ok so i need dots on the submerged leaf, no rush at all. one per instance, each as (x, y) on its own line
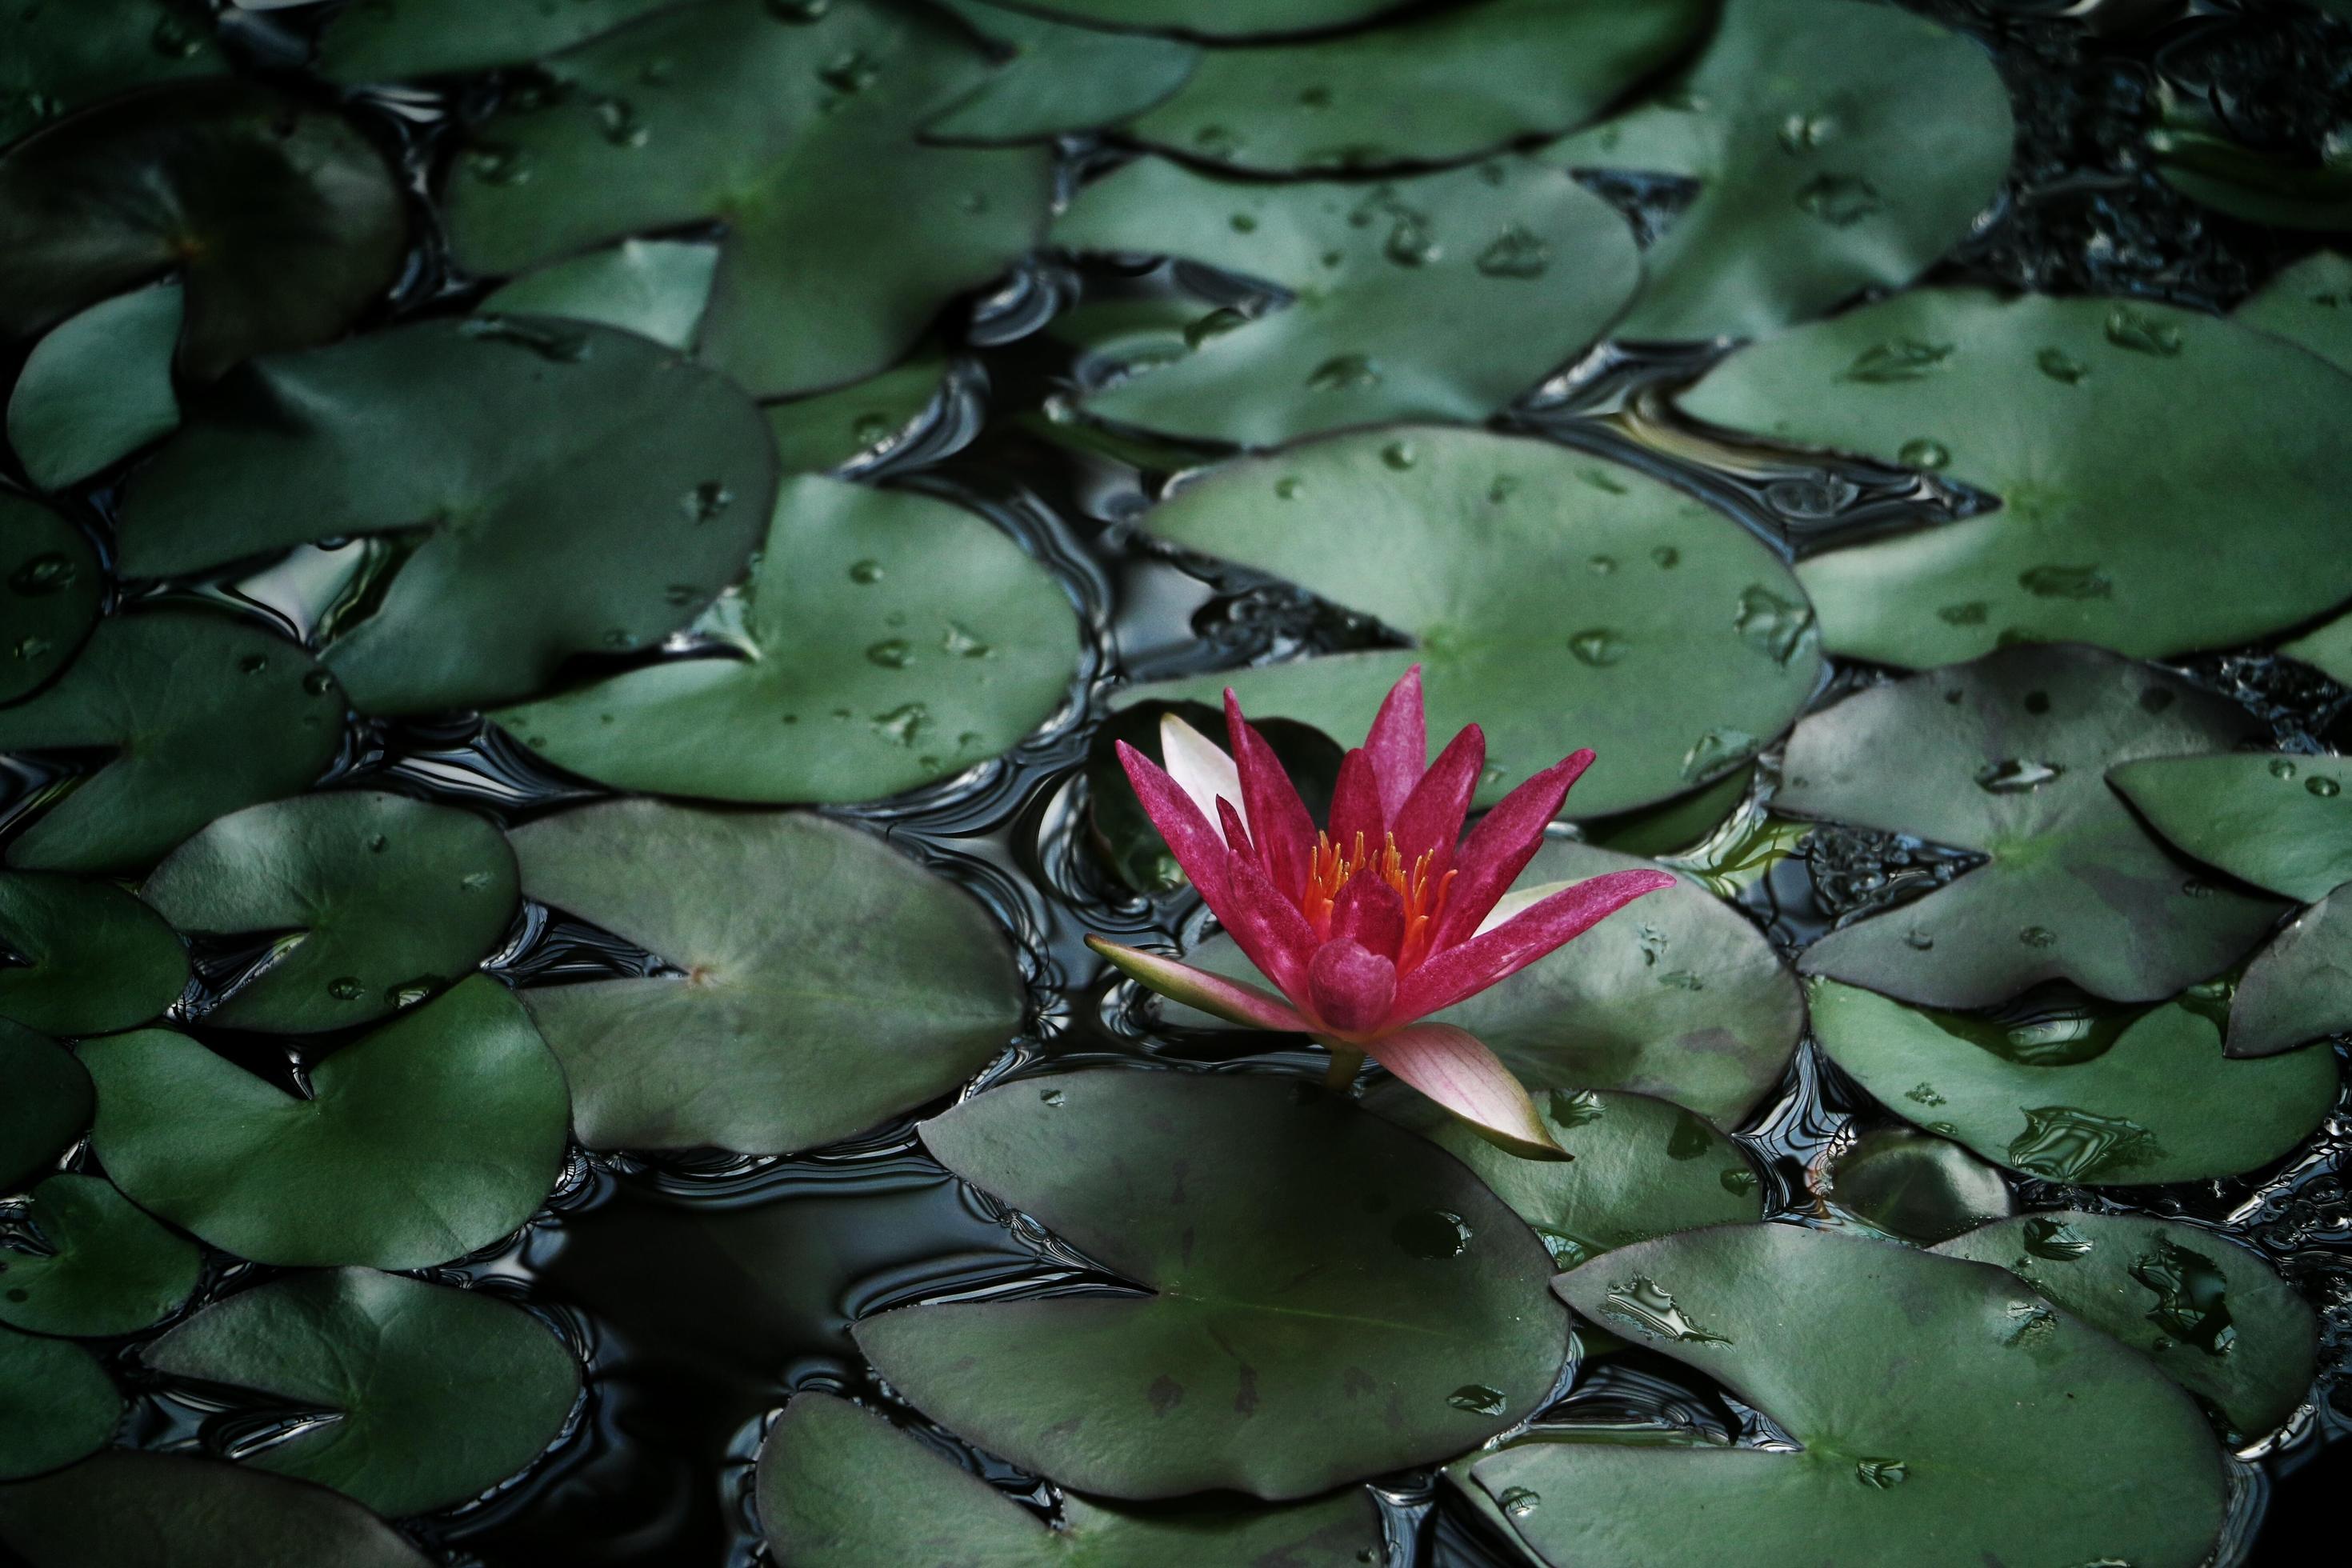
(97, 1265)
(89, 959)
(57, 1403)
(172, 1510)
(63, 55)
(48, 1104)
(50, 587)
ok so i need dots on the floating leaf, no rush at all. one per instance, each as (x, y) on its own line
(2281, 823)
(828, 429)
(50, 586)
(816, 981)
(432, 1394)
(1836, 148)
(2138, 1111)
(1682, 824)
(2194, 147)
(62, 56)
(1294, 1340)
(2111, 432)
(1558, 600)
(2298, 987)
(2309, 304)
(390, 40)
(1931, 1399)
(98, 388)
(841, 1487)
(887, 639)
(89, 959)
(1054, 79)
(2007, 756)
(201, 714)
(1216, 19)
(96, 1266)
(537, 489)
(1916, 1187)
(843, 233)
(169, 1510)
(656, 288)
(285, 222)
(1441, 297)
(433, 1136)
(48, 1104)
(57, 1403)
(2211, 1313)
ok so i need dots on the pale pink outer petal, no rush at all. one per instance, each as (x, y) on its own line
(1198, 847)
(1277, 818)
(1500, 846)
(1514, 903)
(1399, 742)
(1447, 977)
(1236, 1001)
(1202, 770)
(1350, 987)
(1454, 1067)
(1431, 819)
(1268, 928)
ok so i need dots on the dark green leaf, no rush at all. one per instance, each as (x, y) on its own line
(66, 53)
(91, 958)
(57, 1403)
(2298, 987)
(2281, 823)
(48, 1104)
(387, 40)
(50, 586)
(656, 288)
(168, 1511)
(2308, 304)
(98, 388)
(1217, 18)
(97, 1265)
(1055, 78)
(830, 428)
(1914, 1186)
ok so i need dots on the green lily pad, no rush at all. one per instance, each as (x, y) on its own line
(92, 958)
(2327, 649)
(841, 1488)
(57, 1403)
(1441, 297)
(1556, 599)
(2062, 409)
(795, 127)
(434, 1393)
(2279, 822)
(428, 1139)
(656, 288)
(392, 40)
(886, 639)
(1216, 19)
(1931, 1398)
(50, 586)
(98, 388)
(169, 1510)
(1837, 148)
(100, 1266)
(1332, 1296)
(285, 222)
(1055, 78)
(1914, 1186)
(2309, 304)
(1439, 86)
(2211, 1313)
(828, 429)
(374, 901)
(2299, 987)
(2007, 757)
(2138, 1111)
(203, 714)
(48, 1104)
(819, 981)
(537, 489)
(1682, 825)
(2194, 149)
(66, 53)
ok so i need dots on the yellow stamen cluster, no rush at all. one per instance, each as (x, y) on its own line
(1329, 869)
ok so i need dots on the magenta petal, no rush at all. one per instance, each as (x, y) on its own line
(1447, 977)
(1189, 838)
(1236, 1001)
(1431, 820)
(1349, 988)
(1370, 913)
(1454, 1067)
(1356, 805)
(1398, 743)
(1500, 846)
(1237, 838)
(1277, 817)
(1268, 926)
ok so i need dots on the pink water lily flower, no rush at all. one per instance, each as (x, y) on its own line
(1382, 917)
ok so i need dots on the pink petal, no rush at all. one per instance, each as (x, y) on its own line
(1500, 846)
(1431, 820)
(1236, 1001)
(1445, 978)
(1268, 927)
(1351, 989)
(1277, 818)
(1454, 1068)
(1201, 768)
(1356, 805)
(1236, 831)
(1398, 743)
(1371, 913)
(1195, 843)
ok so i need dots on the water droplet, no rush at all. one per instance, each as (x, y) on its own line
(1882, 1474)
(1515, 253)
(2059, 365)
(318, 683)
(253, 663)
(1691, 1138)
(1651, 1309)
(1923, 1094)
(1904, 359)
(1289, 487)
(1049, 1095)
(903, 723)
(1571, 1109)
(2326, 788)
(552, 343)
(2192, 1296)
(2065, 583)
(1666, 556)
(2197, 888)
(495, 165)
(1599, 648)
(1802, 133)
(1840, 201)
(1567, 1251)
(1925, 453)
(2016, 775)
(377, 843)
(871, 429)
(2037, 936)
(1216, 140)
(958, 643)
(175, 40)
(474, 881)
(1431, 1234)
(2133, 328)
(2066, 1144)
(2281, 768)
(1216, 324)
(972, 203)
(1519, 1501)
(616, 119)
(2056, 1240)
(1716, 752)
(409, 993)
(852, 72)
(1812, 497)
(1478, 1399)
(1342, 372)
(866, 571)
(705, 500)
(1772, 626)
(1602, 566)
(799, 11)
(1971, 614)
(44, 574)
(620, 639)
(1400, 455)
(1317, 97)
(346, 988)
(1409, 242)
(1740, 1182)
(892, 653)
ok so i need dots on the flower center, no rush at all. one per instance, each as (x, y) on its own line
(1330, 868)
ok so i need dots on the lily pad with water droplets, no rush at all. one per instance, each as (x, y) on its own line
(1914, 1186)
(815, 981)
(2284, 824)
(424, 1140)
(2299, 987)
(195, 714)
(827, 429)
(2117, 1104)
(2309, 304)
(2111, 432)
(50, 586)
(88, 958)
(1556, 599)
(81, 1259)
(431, 1393)
(533, 489)
(369, 903)
(1931, 1399)
(1836, 148)
(795, 126)
(656, 288)
(172, 1510)
(98, 388)
(1054, 78)
(887, 639)
(57, 1403)
(64, 54)
(1216, 19)
(2211, 1313)
(394, 40)
(1328, 1296)
(840, 1488)
(2007, 757)
(1441, 297)
(46, 1106)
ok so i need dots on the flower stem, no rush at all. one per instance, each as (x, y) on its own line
(1346, 1062)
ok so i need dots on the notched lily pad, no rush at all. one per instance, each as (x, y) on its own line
(57, 1403)
(656, 288)
(66, 53)
(48, 1104)
(98, 388)
(87, 957)
(1913, 1186)
(2299, 987)
(50, 586)
(80, 1258)
(2284, 824)
(1053, 79)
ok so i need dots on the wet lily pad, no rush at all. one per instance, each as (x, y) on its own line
(2138, 1111)
(169, 1510)
(841, 1488)
(1217, 18)
(98, 388)
(2279, 822)
(536, 488)
(1914, 1186)
(285, 222)
(1836, 147)
(390, 40)
(2211, 1313)
(1929, 1396)
(656, 288)
(433, 1393)
(201, 714)
(1556, 599)
(1291, 1342)
(371, 902)
(1438, 87)
(886, 639)
(827, 429)
(50, 586)
(2111, 432)
(2007, 757)
(1054, 78)
(89, 959)
(818, 981)
(66, 53)
(48, 1104)
(1441, 297)
(97, 1264)
(57, 1403)
(2309, 304)
(795, 126)
(433, 1136)
(2299, 987)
